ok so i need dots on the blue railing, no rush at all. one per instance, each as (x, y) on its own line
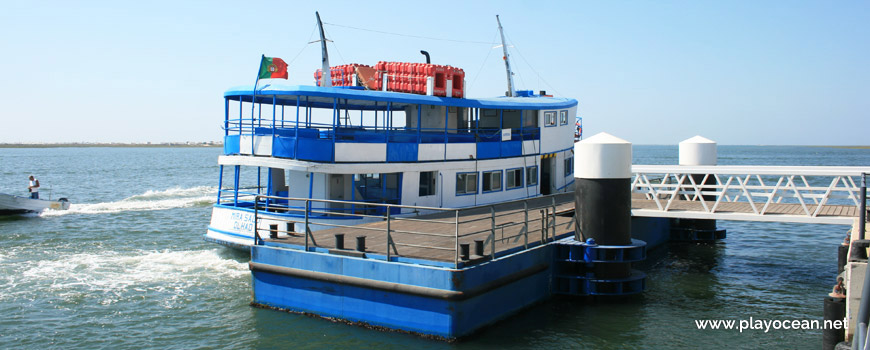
(282, 206)
(316, 142)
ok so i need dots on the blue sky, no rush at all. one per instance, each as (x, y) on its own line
(737, 72)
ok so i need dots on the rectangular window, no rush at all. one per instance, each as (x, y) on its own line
(549, 118)
(492, 181)
(569, 166)
(563, 117)
(514, 178)
(427, 183)
(530, 119)
(532, 175)
(466, 183)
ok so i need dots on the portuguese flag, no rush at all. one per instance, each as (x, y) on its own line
(273, 68)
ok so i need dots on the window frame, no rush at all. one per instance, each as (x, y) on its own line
(465, 192)
(529, 178)
(548, 115)
(433, 188)
(569, 166)
(522, 182)
(500, 180)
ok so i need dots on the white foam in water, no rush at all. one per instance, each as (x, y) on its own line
(112, 276)
(150, 200)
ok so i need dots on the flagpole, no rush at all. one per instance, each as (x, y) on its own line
(254, 101)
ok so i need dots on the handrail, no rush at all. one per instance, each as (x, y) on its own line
(498, 231)
(812, 188)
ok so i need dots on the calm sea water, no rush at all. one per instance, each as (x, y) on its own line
(126, 267)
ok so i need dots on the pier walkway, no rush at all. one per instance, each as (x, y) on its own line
(802, 194)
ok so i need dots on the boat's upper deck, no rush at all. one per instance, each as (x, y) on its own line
(337, 124)
(358, 99)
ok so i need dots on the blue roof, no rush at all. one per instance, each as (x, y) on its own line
(324, 97)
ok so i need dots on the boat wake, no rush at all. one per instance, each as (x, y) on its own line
(150, 200)
(113, 277)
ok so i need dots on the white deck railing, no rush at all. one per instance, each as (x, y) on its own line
(813, 188)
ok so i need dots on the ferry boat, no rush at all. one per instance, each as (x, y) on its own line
(386, 137)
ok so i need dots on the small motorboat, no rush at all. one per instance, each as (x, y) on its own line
(11, 204)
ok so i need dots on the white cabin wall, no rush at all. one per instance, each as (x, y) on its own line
(559, 137)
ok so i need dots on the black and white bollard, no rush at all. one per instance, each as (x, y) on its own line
(694, 151)
(602, 196)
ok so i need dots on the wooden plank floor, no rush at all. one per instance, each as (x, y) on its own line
(638, 201)
(432, 237)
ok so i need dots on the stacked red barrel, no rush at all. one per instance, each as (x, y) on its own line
(405, 77)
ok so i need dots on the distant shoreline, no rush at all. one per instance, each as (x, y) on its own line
(121, 145)
(845, 147)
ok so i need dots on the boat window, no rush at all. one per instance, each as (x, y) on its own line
(431, 117)
(530, 119)
(532, 175)
(512, 119)
(491, 181)
(549, 118)
(489, 119)
(427, 183)
(466, 183)
(569, 166)
(563, 117)
(458, 120)
(514, 178)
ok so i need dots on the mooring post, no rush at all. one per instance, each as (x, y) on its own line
(699, 150)
(602, 196)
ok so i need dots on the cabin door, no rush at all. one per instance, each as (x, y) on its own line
(337, 190)
(546, 175)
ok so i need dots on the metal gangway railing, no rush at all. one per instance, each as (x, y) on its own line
(446, 232)
(808, 192)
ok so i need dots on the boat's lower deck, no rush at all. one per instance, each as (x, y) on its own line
(437, 237)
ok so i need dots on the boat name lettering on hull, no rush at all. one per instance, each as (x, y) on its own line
(243, 221)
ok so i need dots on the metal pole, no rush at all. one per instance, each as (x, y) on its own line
(862, 207)
(456, 241)
(256, 213)
(492, 232)
(326, 77)
(860, 335)
(864, 308)
(307, 206)
(526, 224)
(388, 233)
(543, 224)
(554, 216)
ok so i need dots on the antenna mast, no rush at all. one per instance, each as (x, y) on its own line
(507, 60)
(326, 77)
